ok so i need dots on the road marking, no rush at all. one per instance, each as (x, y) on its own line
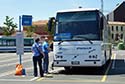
(10, 55)
(2, 56)
(39, 79)
(5, 65)
(113, 64)
(12, 59)
(69, 81)
(14, 80)
(49, 75)
(34, 78)
(12, 72)
(56, 70)
(59, 81)
(7, 73)
(28, 68)
(105, 76)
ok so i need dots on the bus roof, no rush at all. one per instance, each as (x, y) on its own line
(77, 10)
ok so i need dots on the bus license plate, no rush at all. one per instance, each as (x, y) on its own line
(75, 62)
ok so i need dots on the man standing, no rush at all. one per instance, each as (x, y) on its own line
(45, 48)
(36, 49)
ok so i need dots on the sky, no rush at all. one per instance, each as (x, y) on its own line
(43, 9)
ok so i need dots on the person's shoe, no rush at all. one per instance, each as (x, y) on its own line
(42, 75)
(35, 76)
(45, 74)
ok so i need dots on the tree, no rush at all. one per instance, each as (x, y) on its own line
(30, 30)
(52, 31)
(9, 27)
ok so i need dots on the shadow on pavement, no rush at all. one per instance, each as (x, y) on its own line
(119, 67)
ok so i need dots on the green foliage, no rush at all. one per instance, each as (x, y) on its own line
(121, 46)
(30, 30)
(50, 32)
(9, 27)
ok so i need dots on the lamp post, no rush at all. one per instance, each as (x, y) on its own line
(102, 6)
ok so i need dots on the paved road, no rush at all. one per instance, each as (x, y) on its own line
(113, 73)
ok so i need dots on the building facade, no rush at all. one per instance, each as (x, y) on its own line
(118, 14)
(117, 31)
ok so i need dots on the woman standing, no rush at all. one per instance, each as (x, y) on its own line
(37, 51)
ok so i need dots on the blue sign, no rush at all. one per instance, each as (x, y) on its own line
(26, 20)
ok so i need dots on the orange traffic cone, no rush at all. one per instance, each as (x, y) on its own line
(19, 69)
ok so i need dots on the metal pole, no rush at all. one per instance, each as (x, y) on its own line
(19, 23)
(102, 6)
(20, 59)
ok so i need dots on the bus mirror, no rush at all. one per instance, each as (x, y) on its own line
(50, 23)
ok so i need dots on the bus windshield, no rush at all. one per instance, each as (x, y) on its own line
(77, 26)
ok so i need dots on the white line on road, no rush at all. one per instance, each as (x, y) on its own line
(7, 73)
(56, 70)
(2, 56)
(5, 65)
(14, 80)
(51, 71)
(12, 59)
(28, 68)
(35, 78)
(113, 64)
(12, 72)
(7, 55)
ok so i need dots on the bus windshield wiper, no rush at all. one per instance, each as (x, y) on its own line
(84, 38)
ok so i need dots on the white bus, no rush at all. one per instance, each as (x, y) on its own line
(81, 38)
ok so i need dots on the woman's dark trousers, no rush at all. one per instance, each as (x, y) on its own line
(37, 59)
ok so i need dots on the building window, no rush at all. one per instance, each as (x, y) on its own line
(112, 28)
(116, 37)
(112, 36)
(121, 36)
(121, 28)
(116, 28)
